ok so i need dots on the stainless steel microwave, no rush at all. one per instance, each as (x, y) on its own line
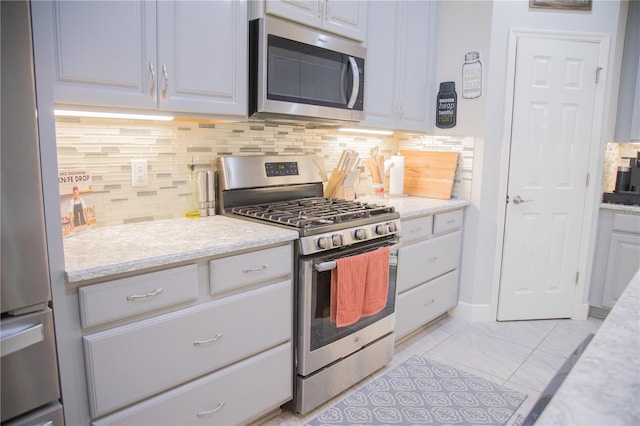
(301, 74)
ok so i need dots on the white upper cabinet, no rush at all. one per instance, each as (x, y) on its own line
(400, 65)
(181, 56)
(628, 120)
(345, 17)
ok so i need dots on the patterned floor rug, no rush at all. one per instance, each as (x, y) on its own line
(421, 391)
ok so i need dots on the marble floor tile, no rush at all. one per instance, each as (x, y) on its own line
(562, 341)
(469, 348)
(521, 355)
(525, 333)
(537, 370)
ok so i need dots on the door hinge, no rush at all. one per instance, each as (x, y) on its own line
(577, 277)
(507, 199)
(598, 69)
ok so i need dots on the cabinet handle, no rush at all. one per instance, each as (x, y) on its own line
(153, 79)
(209, 412)
(418, 229)
(166, 80)
(155, 292)
(432, 259)
(450, 221)
(206, 342)
(429, 302)
(259, 268)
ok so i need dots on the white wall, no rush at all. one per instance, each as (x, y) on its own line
(475, 23)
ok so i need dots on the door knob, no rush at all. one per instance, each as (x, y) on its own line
(518, 199)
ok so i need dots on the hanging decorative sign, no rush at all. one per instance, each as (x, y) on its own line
(472, 76)
(446, 105)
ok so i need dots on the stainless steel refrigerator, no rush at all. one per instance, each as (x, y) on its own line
(29, 370)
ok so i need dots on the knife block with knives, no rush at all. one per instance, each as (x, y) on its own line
(344, 177)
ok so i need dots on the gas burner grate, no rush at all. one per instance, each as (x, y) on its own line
(311, 212)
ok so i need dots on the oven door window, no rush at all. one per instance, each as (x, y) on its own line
(323, 330)
(306, 74)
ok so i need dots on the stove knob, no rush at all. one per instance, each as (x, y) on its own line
(360, 234)
(382, 229)
(337, 240)
(392, 227)
(324, 242)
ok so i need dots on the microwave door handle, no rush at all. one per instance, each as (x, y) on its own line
(355, 74)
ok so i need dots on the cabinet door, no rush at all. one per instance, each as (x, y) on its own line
(400, 66)
(624, 261)
(414, 80)
(347, 18)
(308, 12)
(380, 66)
(102, 50)
(202, 56)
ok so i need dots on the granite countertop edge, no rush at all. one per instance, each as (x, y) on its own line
(606, 378)
(108, 251)
(622, 208)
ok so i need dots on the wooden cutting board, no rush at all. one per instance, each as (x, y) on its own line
(429, 173)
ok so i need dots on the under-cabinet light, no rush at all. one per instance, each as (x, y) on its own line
(363, 130)
(96, 114)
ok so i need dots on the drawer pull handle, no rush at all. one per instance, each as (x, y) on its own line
(210, 412)
(429, 302)
(418, 229)
(432, 259)
(259, 268)
(450, 221)
(155, 292)
(206, 342)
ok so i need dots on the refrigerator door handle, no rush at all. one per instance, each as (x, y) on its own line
(21, 339)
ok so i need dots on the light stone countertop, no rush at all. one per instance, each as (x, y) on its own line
(621, 208)
(603, 388)
(416, 206)
(101, 252)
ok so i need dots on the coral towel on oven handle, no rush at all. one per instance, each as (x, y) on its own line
(359, 286)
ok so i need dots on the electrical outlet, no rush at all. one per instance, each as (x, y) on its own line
(139, 172)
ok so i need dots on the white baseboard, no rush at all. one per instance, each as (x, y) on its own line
(473, 312)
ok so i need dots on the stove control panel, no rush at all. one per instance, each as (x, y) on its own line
(346, 237)
(283, 168)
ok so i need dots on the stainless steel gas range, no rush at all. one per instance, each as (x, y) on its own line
(286, 191)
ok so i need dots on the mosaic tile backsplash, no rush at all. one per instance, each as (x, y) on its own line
(104, 148)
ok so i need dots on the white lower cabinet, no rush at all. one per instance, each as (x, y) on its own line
(424, 303)
(428, 264)
(617, 257)
(234, 395)
(205, 343)
(135, 361)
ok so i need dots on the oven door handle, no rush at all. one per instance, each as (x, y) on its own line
(330, 265)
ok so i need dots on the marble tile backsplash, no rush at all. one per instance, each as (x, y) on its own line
(616, 154)
(104, 148)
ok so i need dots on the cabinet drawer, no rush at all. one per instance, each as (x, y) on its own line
(131, 362)
(243, 392)
(424, 303)
(449, 221)
(626, 223)
(238, 271)
(416, 228)
(424, 260)
(113, 300)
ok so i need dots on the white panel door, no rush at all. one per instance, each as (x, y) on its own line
(202, 56)
(553, 107)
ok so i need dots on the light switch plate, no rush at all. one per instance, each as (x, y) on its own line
(139, 172)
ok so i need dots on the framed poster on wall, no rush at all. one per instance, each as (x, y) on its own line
(560, 4)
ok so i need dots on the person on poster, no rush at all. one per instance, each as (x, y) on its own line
(77, 209)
